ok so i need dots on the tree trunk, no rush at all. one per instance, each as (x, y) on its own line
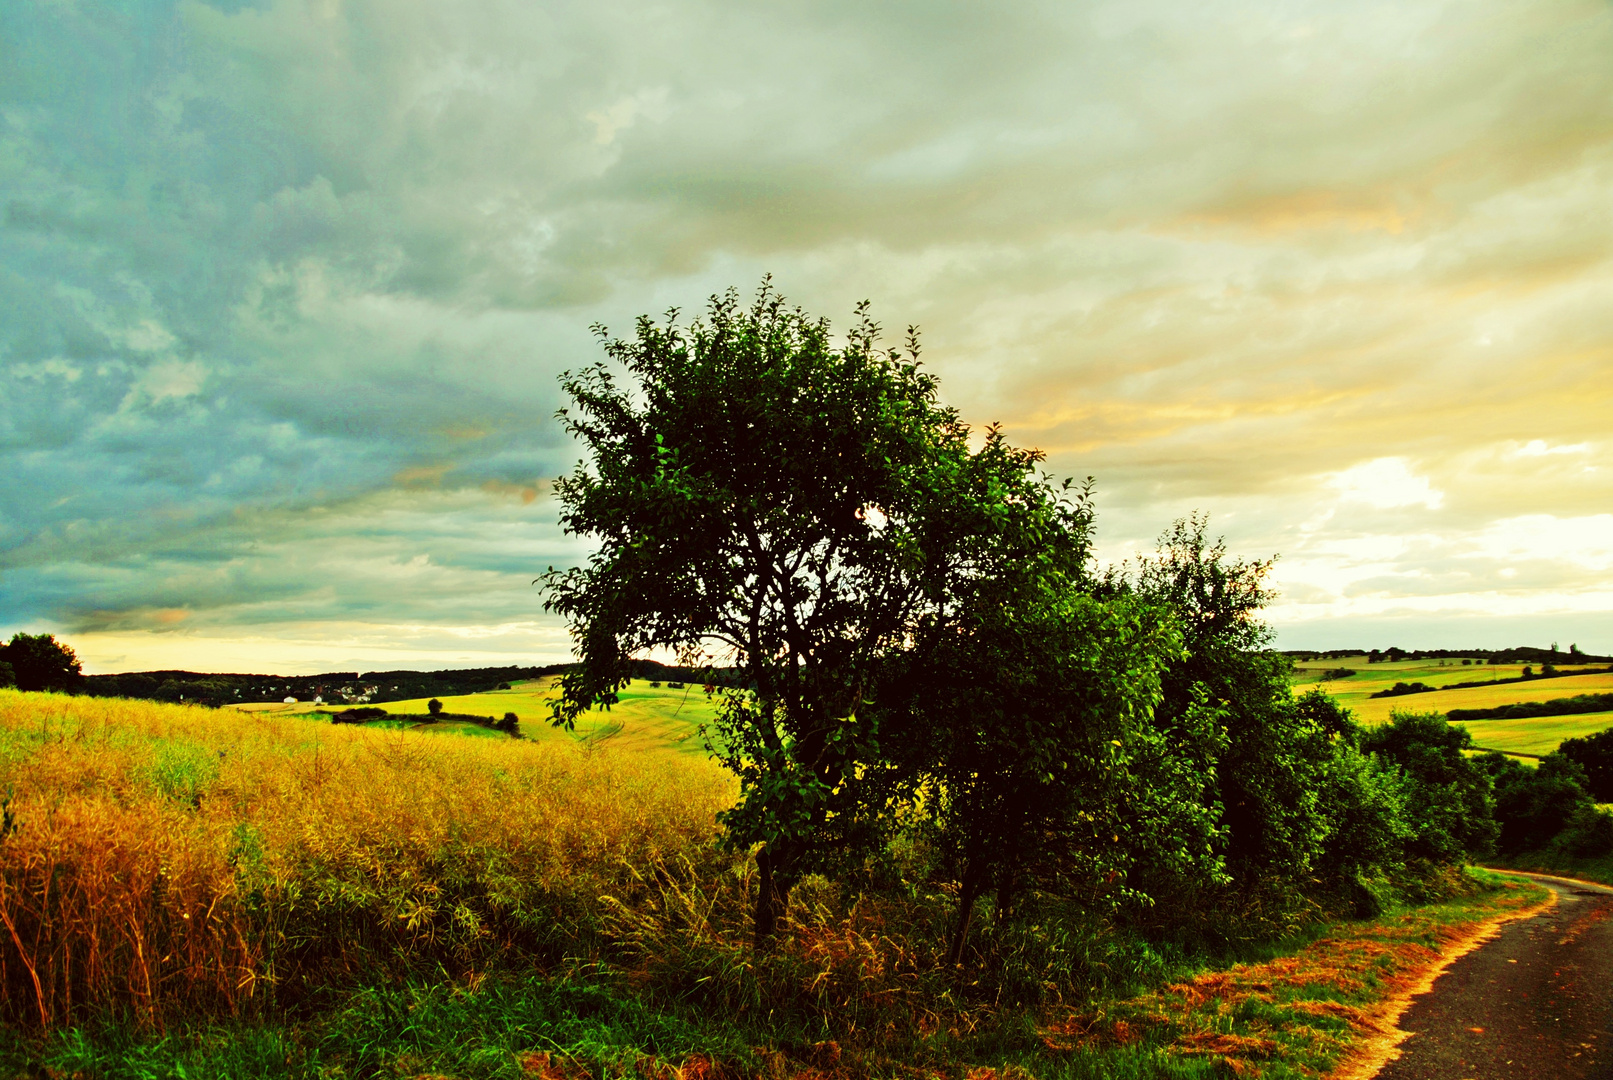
(1005, 896)
(775, 879)
(967, 895)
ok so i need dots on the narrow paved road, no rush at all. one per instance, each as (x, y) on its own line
(1535, 1002)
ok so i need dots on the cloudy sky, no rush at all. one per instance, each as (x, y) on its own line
(285, 287)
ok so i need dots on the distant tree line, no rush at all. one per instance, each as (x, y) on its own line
(925, 658)
(336, 687)
(1568, 706)
(41, 663)
(373, 687)
(1521, 654)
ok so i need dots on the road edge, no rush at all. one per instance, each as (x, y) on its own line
(1366, 1060)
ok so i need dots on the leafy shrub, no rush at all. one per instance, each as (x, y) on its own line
(1449, 805)
(1400, 689)
(1594, 754)
(1588, 834)
(1534, 806)
(357, 716)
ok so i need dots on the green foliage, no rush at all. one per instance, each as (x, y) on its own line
(182, 771)
(434, 707)
(1400, 689)
(40, 662)
(360, 715)
(1544, 806)
(1044, 769)
(807, 510)
(1267, 777)
(8, 675)
(918, 642)
(1449, 802)
(600, 1020)
(1302, 812)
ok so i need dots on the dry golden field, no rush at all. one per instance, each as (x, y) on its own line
(171, 857)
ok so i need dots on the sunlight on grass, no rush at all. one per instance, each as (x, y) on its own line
(168, 858)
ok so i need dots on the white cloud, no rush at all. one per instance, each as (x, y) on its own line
(1585, 541)
(1540, 448)
(624, 112)
(1386, 483)
(170, 380)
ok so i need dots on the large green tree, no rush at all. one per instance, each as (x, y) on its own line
(796, 509)
(1594, 754)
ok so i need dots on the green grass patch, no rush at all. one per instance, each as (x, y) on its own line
(1536, 735)
(1563, 864)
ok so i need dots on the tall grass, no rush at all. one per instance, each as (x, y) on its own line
(174, 863)
(170, 860)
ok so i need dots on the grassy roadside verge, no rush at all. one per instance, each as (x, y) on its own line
(1296, 1009)
(1556, 862)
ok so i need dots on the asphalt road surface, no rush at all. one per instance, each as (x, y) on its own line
(1535, 1002)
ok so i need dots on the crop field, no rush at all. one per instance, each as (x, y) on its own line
(167, 860)
(645, 718)
(1377, 710)
(1536, 735)
(1355, 692)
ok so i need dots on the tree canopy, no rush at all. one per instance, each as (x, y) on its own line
(40, 662)
(801, 510)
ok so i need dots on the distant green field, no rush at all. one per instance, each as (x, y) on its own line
(1536, 735)
(646, 717)
(1532, 735)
